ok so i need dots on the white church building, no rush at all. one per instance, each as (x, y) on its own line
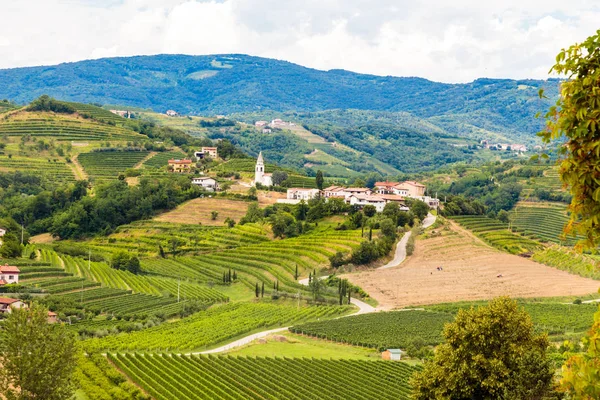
(260, 176)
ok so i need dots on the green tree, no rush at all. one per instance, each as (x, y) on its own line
(320, 180)
(278, 177)
(229, 222)
(388, 228)
(262, 290)
(369, 210)
(256, 291)
(503, 216)
(11, 247)
(491, 352)
(575, 122)
(419, 208)
(38, 359)
(214, 215)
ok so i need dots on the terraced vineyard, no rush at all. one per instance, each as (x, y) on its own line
(108, 165)
(53, 169)
(96, 273)
(570, 261)
(98, 113)
(213, 326)
(63, 127)
(206, 377)
(302, 181)
(384, 330)
(144, 237)
(497, 234)
(544, 221)
(161, 159)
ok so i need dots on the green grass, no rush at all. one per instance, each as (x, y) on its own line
(297, 346)
(207, 377)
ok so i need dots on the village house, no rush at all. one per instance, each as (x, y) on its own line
(121, 113)
(184, 165)
(277, 121)
(9, 274)
(400, 190)
(267, 130)
(260, 176)
(7, 304)
(334, 191)
(211, 151)
(302, 194)
(394, 198)
(362, 200)
(2, 231)
(415, 189)
(52, 317)
(171, 113)
(352, 191)
(385, 187)
(392, 354)
(260, 124)
(206, 183)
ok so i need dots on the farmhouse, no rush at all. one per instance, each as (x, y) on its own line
(334, 191)
(206, 183)
(267, 130)
(184, 165)
(362, 200)
(352, 191)
(8, 274)
(392, 354)
(302, 193)
(7, 304)
(211, 151)
(2, 231)
(259, 172)
(415, 189)
(385, 187)
(260, 124)
(171, 113)
(52, 317)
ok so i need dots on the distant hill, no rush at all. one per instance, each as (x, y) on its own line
(225, 84)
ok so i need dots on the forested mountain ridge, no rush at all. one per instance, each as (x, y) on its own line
(225, 84)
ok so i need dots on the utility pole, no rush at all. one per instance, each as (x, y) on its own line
(178, 285)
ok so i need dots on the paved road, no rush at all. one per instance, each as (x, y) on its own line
(243, 341)
(400, 254)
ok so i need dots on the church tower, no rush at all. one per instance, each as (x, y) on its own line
(259, 170)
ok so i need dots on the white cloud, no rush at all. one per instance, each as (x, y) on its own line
(451, 42)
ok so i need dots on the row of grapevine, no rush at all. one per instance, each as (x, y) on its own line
(175, 377)
(54, 170)
(107, 165)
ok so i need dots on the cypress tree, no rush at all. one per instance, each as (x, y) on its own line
(274, 287)
(340, 286)
(256, 291)
(277, 289)
(224, 279)
(349, 293)
(370, 234)
(262, 290)
(296, 273)
(309, 277)
(234, 276)
(229, 277)
(341, 299)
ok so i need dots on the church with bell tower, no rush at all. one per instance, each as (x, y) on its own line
(260, 176)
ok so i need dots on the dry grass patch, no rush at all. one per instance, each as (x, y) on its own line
(470, 272)
(199, 211)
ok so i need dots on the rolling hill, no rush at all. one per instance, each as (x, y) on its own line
(225, 84)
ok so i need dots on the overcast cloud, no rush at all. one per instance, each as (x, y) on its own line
(455, 41)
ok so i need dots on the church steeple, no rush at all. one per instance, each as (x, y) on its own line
(259, 169)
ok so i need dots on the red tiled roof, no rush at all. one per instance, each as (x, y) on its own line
(8, 300)
(180, 161)
(9, 269)
(357, 190)
(386, 184)
(413, 183)
(51, 314)
(392, 197)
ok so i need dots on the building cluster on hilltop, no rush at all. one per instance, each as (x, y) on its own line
(267, 126)
(519, 148)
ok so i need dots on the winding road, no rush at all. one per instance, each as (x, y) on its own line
(363, 308)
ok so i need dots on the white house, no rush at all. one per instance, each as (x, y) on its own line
(400, 190)
(9, 274)
(171, 113)
(206, 183)
(355, 191)
(7, 304)
(260, 176)
(392, 354)
(362, 200)
(415, 189)
(385, 187)
(260, 124)
(334, 191)
(2, 231)
(302, 194)
(267, 130)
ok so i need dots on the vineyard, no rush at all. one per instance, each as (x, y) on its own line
(544, 221)
(569, 260)
(215, 325)
(161, 159)
(497, 234)
(208, 377)
(383, 330)
(63, 127)
(52, 169)
(108, 165)
(98, 113)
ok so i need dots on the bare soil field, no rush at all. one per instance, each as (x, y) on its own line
(199, 210)
(42, 238)
(470, 270)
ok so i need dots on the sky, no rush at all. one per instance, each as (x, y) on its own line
(445, 41)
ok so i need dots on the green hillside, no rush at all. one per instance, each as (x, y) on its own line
(223, 84)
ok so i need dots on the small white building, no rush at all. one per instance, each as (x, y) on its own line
(206, 183)
(302, 194)
(9, 274)
(400, 190)
(211, 151)
(2, 231)
(348, 192)
(260, 124)
(362, 200)
(392, 354)
(7, 304)
(267, 130)
(334, 191)
(171, 113)
(260, 176)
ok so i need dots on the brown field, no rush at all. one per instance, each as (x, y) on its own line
(42, 238)
(199, 210)
(470, 270)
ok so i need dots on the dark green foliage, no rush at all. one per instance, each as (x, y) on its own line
(279, 177)
(46, 103)
(320, 180)
(125, 261)
(337, 260)
(419, 208)
(369, 210)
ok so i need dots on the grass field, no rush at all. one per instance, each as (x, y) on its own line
(198, 211)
